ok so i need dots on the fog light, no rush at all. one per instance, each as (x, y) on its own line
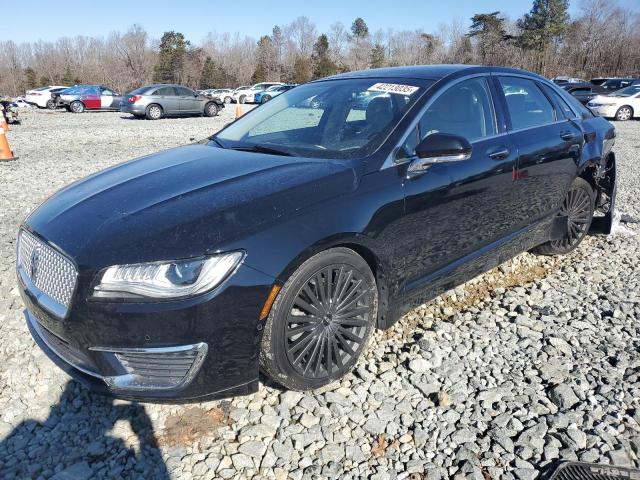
(155, 368)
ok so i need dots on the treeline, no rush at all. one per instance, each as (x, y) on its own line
(603, 38)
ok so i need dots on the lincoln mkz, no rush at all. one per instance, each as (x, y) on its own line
(280, 243)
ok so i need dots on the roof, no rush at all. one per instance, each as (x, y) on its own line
(427, 72)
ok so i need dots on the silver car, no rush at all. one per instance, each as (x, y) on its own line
(163, 100)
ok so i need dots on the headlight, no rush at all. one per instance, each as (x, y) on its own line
(167, 280)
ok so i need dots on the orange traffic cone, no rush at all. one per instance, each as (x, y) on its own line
(238, 110)
(5, 152)
(4, 124)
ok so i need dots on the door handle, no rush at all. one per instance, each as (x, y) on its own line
(499, 154)
(568, 136)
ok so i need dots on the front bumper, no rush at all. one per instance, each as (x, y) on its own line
(108, 345)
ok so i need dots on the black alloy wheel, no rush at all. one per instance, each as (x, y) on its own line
(321, 321)
(578, 207)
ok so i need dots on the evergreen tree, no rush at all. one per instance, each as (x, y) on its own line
(44, 80)
(210, 77)
(171, 58)
(359, 28)
(67, 78)
(377, 56)
(489, 29)
(546, 22)
(323, 66)
(265, 54)
(30, 80)
(301, 70)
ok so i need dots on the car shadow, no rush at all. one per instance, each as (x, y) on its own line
(76, 441)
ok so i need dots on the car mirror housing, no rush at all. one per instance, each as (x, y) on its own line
(439, 148)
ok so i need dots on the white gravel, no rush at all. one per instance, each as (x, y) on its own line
(535, 361)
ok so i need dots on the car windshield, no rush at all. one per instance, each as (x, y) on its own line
(338, 119)
(627, 91)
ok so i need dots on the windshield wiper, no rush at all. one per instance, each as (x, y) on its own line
(263, 149)
(218, 142)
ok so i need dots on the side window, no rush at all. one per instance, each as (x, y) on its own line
(465, 110)
(165, 91)
(564, 106)
(184, 91)
(527, 105)
(106, 91)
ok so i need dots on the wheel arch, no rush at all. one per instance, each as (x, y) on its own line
(364, 248)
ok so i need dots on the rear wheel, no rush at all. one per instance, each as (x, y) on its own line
(321, 321)
(578, 208)
(227, 100)
(154, 112)
(624, 113)
(210, 109)
(76, 107)
(265, 98)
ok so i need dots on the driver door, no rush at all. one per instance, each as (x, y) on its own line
(188, 101)
(455, 211)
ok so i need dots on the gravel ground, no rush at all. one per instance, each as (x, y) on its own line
(535, 361)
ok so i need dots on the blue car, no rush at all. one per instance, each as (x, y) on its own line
(269, 93)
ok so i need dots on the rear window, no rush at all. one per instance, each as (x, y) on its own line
(139, 91)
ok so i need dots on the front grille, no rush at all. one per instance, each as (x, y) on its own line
(48, 271)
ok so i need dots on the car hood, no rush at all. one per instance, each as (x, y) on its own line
(182, 203)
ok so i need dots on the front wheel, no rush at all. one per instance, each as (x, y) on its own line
(210, 109)
(578, 207)
(242, 99)
(624, 113)
(51, 105)
(76, 107)
(321, 321)
(227, 100)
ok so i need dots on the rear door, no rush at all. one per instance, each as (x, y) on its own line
(189, 103)
(168, 99)
(548, 147)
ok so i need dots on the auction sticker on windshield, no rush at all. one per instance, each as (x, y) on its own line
(393, 88)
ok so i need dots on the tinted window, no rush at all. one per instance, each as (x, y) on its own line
(564, 106)
(527, 105)
(184, 91)
(166, 91)
(106, 91)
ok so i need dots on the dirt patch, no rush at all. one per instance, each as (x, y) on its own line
(193, 423)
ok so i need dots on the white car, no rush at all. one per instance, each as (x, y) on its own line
(41, 97)
(621, 105)
(224, 94)
(247, 94)
(20, 102)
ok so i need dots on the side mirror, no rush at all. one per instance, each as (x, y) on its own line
(439, 148)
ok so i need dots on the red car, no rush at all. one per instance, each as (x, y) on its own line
(79, 98)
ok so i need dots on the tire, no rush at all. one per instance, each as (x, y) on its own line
(304, 346)
(624, 113)
(227, 100)
(265, 99)
(154, 112)
(210, 109)
(242, 98)
(76, 106)
(51, 105)
(578, 206)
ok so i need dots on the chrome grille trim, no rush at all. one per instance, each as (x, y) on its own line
(48, 274)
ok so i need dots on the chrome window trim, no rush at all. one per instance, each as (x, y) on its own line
(391, 161)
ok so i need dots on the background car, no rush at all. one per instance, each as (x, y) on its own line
(160, 100)
(224, 94)
(20, 102)
(583, 91)
(622, 105)
(613, 84)
(271, 92)
(79, 98)
(41, 97)
(561, 80)
(247, 95)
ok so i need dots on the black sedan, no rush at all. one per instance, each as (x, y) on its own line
(283, 241)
